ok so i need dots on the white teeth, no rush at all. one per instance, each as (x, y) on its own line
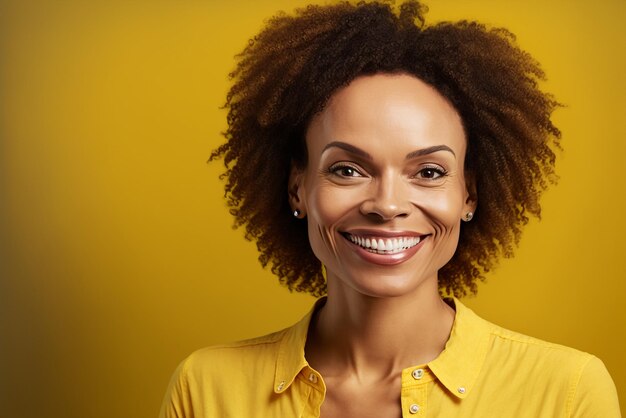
(388, 246)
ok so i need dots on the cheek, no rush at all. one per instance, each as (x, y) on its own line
(443, 209)
(327, 205)
(327, 210)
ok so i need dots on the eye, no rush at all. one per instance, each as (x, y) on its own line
(431, 173)
(345, 170)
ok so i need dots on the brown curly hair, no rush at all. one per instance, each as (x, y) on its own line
(292, 67)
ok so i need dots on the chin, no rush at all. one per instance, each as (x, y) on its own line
(379, 284)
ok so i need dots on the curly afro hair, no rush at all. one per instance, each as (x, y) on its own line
(289, 71)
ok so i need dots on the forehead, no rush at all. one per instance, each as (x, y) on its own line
(386, 110)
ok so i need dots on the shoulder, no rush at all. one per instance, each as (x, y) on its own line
(241, 358)
(214, 376)
(482, 341)
(575, 379)
(232, 379)
(494, 344)
(252, 346)
(519, 345)
(513, 371)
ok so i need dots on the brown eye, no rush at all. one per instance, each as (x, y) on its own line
(345, 171)
(431, 173)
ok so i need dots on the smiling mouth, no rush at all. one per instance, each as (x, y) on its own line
(384, 245)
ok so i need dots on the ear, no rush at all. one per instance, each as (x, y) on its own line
(471, 200)
(295, 188)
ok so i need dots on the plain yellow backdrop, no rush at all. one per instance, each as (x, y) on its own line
(117, 256)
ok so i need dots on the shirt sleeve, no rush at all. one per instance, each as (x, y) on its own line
(595, 395)
(177, 401)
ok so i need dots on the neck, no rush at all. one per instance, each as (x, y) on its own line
(378, 336)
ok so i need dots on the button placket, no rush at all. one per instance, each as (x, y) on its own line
(413, 396)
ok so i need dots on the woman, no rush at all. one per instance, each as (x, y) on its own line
(404, 160)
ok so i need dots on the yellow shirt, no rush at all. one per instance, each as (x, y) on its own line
(484, 371)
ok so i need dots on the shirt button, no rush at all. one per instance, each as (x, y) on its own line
(461, 390)
(418, 373)
(414, 409)
(281, 385)
(313, 378)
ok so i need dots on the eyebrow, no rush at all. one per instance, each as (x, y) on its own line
(347, 147)
(358, 151)
(429, 150)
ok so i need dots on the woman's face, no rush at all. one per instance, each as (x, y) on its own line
(384, 188)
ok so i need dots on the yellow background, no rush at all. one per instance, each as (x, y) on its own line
(117, 256)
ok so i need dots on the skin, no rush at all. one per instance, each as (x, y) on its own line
(385, 160)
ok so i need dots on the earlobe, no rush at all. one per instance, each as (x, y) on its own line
(469, 208)
(471, 201)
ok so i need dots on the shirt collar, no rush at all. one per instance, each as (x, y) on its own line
(290, 360)
(457, 367)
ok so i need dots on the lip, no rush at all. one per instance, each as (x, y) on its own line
(382, 233)
(384, 259)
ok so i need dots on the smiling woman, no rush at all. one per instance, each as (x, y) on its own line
(409, 156)
(383, 185)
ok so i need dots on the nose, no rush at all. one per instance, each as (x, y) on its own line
(388, 199)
